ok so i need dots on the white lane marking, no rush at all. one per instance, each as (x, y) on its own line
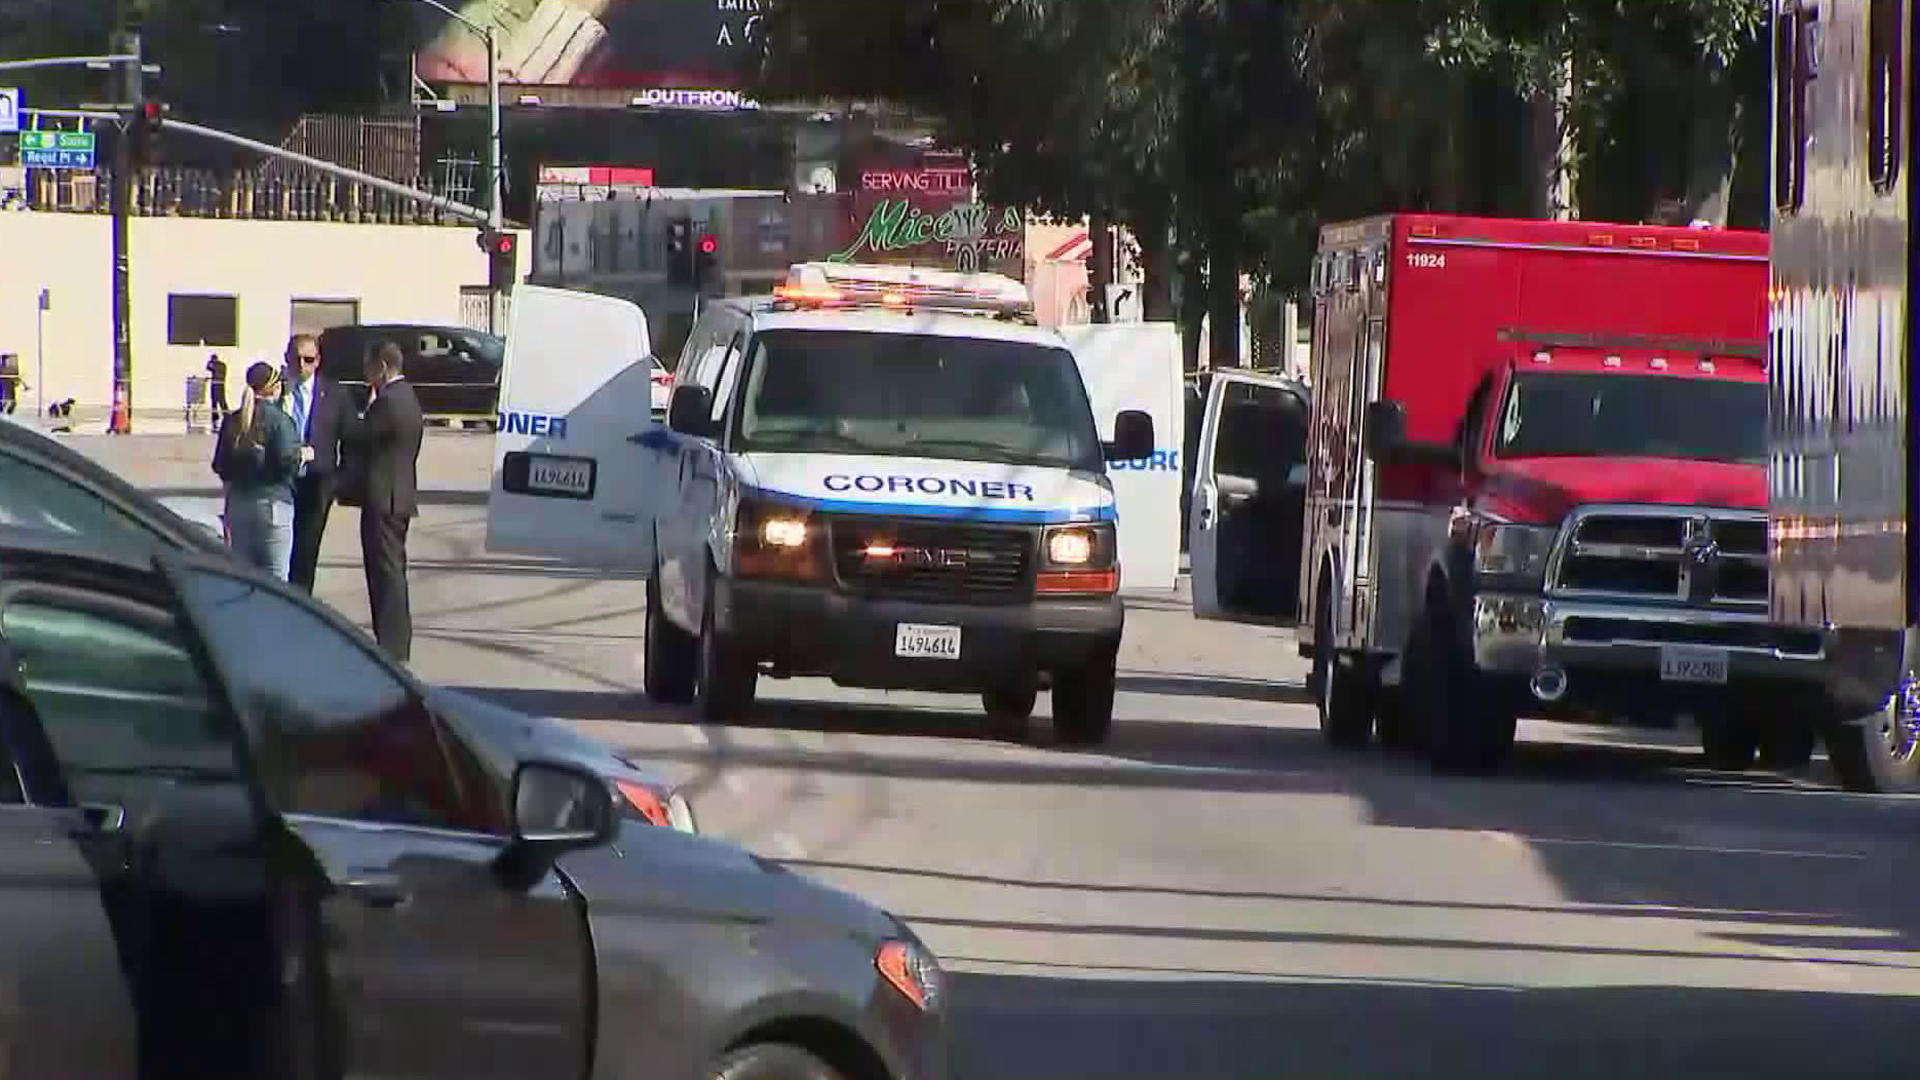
(1699, 849)
(1504, 839)
(696, 735)
(788, 846)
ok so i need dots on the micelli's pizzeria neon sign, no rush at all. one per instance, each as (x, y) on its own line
(971, 233)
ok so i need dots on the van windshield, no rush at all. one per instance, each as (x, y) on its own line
(918, 395)
(1646, 416)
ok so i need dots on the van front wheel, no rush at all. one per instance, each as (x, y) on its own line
(1083, 701)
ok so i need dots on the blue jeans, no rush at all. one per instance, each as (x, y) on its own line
(260, 530)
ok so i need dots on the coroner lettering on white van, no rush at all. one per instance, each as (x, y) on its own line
(936, 486)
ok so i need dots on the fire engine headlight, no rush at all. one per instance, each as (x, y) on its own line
(1514, 552)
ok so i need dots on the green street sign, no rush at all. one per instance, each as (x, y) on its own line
(57, 140)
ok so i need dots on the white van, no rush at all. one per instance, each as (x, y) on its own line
(889, 477)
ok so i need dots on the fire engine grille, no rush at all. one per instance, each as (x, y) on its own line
(956, 562)
(1692, 558)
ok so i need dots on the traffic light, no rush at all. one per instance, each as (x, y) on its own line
(706, 260)
(679, 256)
(145, 132)
(503, 258)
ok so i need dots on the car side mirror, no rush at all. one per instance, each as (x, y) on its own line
(690, 411)
(1132, 437)
(556, 809)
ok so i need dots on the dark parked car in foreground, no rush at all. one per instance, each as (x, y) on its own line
(45, 485)
(236, 840)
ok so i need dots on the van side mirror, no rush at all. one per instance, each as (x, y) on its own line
(690, 411)
(1132, 437)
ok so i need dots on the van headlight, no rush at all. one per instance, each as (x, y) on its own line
(771, 540)
(1079, 559)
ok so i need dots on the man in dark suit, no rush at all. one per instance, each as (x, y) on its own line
(394, 428)
(318, 407)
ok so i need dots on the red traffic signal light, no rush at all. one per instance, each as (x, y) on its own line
(709, 243)
(503, 244)
(151, 110)
(499, 244)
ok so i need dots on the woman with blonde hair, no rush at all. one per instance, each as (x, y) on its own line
(257, 458)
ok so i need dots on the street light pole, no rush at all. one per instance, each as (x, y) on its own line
(496, 180)
(496, 183)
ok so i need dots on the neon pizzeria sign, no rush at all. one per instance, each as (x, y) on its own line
(971, 234)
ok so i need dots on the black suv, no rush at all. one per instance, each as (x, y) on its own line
(454, 371)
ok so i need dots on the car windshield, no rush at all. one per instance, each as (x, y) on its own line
(918, 395)
(1646, 416)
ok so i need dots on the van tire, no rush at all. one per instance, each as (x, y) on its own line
(670, 654)
(725, 685)
(1343, 695)
(1465, 730)
(1008, 710)
(1873, 755)
(1083, 700)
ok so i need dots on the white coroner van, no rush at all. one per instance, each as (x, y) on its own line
(885, 476)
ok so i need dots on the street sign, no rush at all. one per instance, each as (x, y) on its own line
(9, 108)
(56, 149)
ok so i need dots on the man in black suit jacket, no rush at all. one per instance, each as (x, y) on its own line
(319, 410)
(394, 428)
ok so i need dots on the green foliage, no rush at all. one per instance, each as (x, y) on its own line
(1253, 120)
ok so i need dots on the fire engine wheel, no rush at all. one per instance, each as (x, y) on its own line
(670, 653)
(727, 680)
(1343, 693)
(1730, 742)
(1880, 754)
(1787, 743)
(1465, 731)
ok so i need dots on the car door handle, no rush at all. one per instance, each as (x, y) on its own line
(376, 893)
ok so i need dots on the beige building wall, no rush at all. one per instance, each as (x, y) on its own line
(396, 273)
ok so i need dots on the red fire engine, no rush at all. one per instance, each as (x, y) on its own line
(1532, 480)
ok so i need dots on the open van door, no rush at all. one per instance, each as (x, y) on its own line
(1249, 499)
(574, 473)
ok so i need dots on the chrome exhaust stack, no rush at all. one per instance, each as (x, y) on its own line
(1549, 684)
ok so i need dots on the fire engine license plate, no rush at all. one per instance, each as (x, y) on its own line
(1693, 664)
(926, 642)
(559, 476)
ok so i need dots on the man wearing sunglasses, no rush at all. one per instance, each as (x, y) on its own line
(318, 407)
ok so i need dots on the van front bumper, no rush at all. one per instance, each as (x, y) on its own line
(1612, 654)
(807, 630)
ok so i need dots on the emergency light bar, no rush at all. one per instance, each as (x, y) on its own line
(903, 288)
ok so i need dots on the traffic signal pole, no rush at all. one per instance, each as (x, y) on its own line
(131, 88)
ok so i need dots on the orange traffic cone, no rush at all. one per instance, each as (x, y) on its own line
(120, 423)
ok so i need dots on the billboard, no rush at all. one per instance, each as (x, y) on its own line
(628, 44)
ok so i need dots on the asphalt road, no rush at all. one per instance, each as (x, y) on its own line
(1215, 894)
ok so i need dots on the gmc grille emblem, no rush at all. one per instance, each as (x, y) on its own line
(925, 558)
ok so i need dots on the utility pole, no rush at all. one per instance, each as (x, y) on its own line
(496, 183)
(130, 89)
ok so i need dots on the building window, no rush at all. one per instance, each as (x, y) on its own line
(203, 320)
(1884, 94)
(317, 316)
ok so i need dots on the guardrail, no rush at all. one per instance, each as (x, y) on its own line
(253, 194)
